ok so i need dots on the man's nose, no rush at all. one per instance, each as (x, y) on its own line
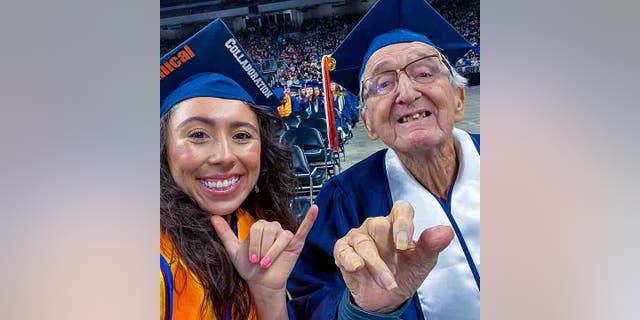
(407, 93)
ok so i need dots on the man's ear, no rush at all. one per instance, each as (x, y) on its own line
(458, 113)
(363, 116)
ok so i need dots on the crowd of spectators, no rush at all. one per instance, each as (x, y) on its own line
(290, 55)
(294, 55)
(464, 15)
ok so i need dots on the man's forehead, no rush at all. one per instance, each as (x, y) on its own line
(389, 54)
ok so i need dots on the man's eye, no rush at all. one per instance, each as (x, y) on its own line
(424, 75)
(383, 85)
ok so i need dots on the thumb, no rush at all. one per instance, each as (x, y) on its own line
(432, 241)
(226, 235)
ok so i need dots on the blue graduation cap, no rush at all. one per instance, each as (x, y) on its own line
(212, 63)
(279, 92)
(294, 89)
(390, 22)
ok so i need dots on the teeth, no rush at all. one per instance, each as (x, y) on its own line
(414, 116)
(220, 184)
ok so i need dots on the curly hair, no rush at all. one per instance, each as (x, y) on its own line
(190, 229)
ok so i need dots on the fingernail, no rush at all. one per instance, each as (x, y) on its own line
(402, 240)
(254, 258)
(265, 262)
(387, 281)
(355, 263)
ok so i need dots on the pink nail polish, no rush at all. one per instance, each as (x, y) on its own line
(254, 258)
(265, 262)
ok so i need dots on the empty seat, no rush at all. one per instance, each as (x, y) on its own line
(310, 179)
(317, 115)
(291, 122)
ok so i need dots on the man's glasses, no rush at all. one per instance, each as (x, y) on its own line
(423, 70)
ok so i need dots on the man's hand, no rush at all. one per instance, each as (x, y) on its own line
(381, 263)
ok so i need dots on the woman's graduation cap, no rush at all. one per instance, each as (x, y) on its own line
(389, 22)
(212, 64)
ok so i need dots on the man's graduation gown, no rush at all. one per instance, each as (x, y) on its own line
(368, 189)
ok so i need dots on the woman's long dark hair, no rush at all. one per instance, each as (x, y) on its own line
(192, 234)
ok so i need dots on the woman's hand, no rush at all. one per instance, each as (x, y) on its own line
(266, 258)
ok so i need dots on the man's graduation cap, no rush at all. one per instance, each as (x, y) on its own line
(212, 63)
(390, 22)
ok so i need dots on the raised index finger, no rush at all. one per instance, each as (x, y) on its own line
(306, 224)
(402, 223)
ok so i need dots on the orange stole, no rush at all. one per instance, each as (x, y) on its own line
(188, 294)
(285, 108)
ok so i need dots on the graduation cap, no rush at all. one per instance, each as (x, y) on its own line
(212, 63)
(279, 92)
(390, 22)
(294, 89)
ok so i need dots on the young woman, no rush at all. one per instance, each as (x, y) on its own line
(227, 241)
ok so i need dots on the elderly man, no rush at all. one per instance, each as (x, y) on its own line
(399, 231)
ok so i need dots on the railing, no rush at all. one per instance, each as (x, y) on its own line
(468, 69)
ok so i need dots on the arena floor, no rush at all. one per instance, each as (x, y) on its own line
(360, 146)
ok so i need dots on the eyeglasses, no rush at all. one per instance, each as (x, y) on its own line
(423, 70)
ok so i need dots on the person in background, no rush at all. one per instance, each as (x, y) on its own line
(227, 242)
(400, 236)
(294, 92)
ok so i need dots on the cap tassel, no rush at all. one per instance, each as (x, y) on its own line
(329, 64)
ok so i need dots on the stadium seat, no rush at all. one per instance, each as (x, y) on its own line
(308, 179)
(300, 114)
(291, 121)
(317, 115)
(299, 208)
(319, 124)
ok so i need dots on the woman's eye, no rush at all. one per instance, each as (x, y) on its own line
(198, 135)
(242, 136)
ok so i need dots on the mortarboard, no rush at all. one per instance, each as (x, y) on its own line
(279, 92)
(389, 22)
(212, 63)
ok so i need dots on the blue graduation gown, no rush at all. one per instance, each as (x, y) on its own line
(295, 104)
(344, 202)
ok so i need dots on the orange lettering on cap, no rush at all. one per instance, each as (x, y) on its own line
(164, 72)
(184, 56)
(189, 51)
(175, 62)
(166, 64)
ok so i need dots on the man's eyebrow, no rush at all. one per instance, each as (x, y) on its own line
(415, 54)
(380, 67)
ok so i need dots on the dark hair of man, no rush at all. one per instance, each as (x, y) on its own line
(192, 234)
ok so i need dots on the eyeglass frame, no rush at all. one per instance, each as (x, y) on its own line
(397, 72)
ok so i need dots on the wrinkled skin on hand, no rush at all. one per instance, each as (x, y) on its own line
(380, 262)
